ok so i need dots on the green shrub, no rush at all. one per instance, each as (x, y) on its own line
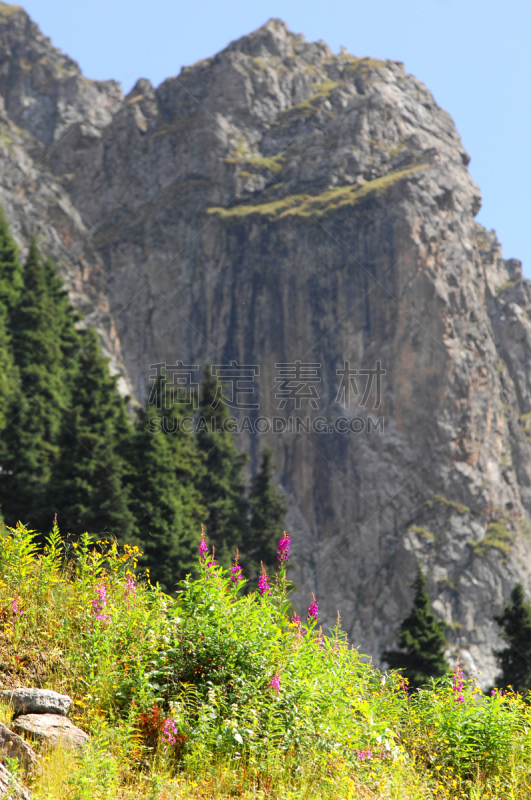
(219, 692)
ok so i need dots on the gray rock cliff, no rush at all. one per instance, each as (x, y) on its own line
(275, 203)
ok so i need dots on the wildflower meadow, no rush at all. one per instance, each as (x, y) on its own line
(225, 690)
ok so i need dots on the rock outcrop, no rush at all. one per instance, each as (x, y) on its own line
(278, 203)
(34, 202)
(10, 787)
(51, 729)
(25, 700)
(13, 746)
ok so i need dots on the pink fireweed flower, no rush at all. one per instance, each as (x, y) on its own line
(300, 630)
(16, 610)
(457, 684)
(263, 586)
(283, 549)
(130, 590)
(99, 602)
(170, 731)
(236, 574)
(203, 547)
(275, 683)
(236, 570)
(313, 611)
(363, 754)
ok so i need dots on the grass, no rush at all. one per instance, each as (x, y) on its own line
(503, 287)
(320, 90)
(423, 532)
(438, 499)
(273, 164)
(364, 65)
(497, 537)
(310, 207)
(215, 693)
(8, 11)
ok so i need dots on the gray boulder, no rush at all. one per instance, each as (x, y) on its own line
(13, 746)
(10, 787)
(37, 701)
(52, 729)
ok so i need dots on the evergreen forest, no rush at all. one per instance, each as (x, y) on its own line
(72, 446)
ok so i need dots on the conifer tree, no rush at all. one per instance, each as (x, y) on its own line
(267, 518)
(515, 659)
(11, 280)
(421, 643)
(165, 468)
(66, 316)
(10, 288)
(8, 379)
(221, 485)
(87, 489)
(31, 436)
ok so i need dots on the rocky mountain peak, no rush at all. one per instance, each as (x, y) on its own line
(43, 89)
(274, 38)
(277, 203)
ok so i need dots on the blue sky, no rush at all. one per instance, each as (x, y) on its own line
(472, 54)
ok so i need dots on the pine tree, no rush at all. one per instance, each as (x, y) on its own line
(421, 641)
(221, 485)
(11, 279)
(165, 468)
(87, 488)
(10, 288)
(515, 660)
(267, 518)
(8, 387)
(31, 436)
(8, 373)
(66, 316)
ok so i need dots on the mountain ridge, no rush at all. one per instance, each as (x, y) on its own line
(275, 203)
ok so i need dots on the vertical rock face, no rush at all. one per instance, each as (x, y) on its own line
(278, 203)
(36, 83)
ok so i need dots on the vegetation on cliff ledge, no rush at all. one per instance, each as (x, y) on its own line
(306, 206)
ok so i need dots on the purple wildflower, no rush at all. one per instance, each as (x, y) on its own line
(203, 547)
(99, 603)
(313, 611)
(363, 754)
(275, 683)
(130, 590)
(236, 570)
(300, 630)
(263, 586)
(283, 549)
(16, 610)
(457, 684)
(170, 731)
